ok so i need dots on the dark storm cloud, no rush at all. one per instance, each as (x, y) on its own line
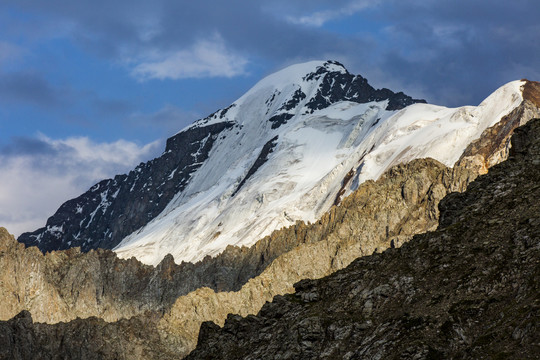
(126, 28)
(40, 153)
(460, 51)
(448, 51)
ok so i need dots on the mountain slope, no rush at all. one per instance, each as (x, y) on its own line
(114, 208)
(64, 285)
(315, 160)
(505, 199)
(469, 290)
(287, 150)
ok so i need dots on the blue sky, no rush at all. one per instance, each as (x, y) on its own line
(89, 89)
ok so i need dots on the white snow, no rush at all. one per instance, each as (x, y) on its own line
(304, 173)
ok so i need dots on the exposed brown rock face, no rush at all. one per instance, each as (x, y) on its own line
(494, 144)
(64, 285)
(531, 92)
(470, 290)
(364, 222)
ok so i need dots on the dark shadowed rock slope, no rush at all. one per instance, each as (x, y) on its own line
(89, 339)
(470, 289)
(114, 208)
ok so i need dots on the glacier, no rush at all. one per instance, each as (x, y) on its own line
(292, 153)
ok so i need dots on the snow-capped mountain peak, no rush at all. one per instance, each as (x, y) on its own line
(302, 89)
(287, 150)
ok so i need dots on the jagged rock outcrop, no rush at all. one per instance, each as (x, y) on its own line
(92, 338)
(494, 145)
(469, 290)
(347, 87)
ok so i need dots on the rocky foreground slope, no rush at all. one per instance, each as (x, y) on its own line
(173, 333)
(469, 290)
(169, 302)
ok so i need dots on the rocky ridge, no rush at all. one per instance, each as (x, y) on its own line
(115, 288)
(75, 284)
(90, 339)
(469, 290)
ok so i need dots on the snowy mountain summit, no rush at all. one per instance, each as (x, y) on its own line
(287, 150)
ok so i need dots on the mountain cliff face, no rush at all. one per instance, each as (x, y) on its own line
(115, 208)
(75, 284)
(290, 148)
(469, 290)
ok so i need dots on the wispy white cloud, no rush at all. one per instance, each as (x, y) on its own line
(205, 59)
(319, 18)
(38, 174)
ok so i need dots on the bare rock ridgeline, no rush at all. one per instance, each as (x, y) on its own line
(469, 290)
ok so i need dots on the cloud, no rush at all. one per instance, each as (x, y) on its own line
(29, 87)
(319, 18)
(39, 173)
(455, 53)
(442, 47)
(206, 58)
(28, 146)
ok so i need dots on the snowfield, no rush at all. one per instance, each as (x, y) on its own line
(305, 167)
